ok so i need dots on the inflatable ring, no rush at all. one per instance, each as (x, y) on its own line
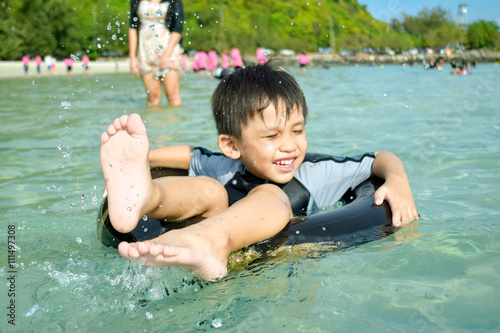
(356, 222)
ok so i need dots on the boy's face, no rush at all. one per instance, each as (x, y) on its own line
(272, 147)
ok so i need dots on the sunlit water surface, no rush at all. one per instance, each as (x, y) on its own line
(440, 274)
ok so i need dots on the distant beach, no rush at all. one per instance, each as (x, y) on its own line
(10, 69)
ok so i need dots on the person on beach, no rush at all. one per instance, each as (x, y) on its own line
(26, 62)
(213, 60)
(260, 113)
(303, 61)
(261, 56)
(38, 61)
(236, 60)
(225, 60)
(53, 62)
(68, 62)
(154, 47)
(85, 64)
(48, 63)
(200, 62)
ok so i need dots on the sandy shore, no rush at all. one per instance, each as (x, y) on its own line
(11, 69)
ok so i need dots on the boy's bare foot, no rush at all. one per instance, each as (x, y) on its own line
(197, 253)
(125, 166)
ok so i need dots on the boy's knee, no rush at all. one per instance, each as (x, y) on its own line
(211, 188)
(214, 194)
(272, 192)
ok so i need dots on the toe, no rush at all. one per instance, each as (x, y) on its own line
(111, 130)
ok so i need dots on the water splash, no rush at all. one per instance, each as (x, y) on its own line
(66, 105)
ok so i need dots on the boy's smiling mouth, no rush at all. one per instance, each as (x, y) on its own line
(286, 163)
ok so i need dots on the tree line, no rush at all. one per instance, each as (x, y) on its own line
(100, 27)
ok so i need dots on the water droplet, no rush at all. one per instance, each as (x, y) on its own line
(217, 323)
(145, 218)
(297, 232)
(51, 188)
(109, 26)
(149, 315)
(78, 240)
(323, 228)
(170, 310)
(234, 182)
(66, 105)
(129, 209)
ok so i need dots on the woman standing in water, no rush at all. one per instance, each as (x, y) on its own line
(154, 47)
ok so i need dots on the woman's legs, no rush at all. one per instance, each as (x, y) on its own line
(171, 85)
(153, 89)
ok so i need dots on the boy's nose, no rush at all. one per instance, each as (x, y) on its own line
(288, 146)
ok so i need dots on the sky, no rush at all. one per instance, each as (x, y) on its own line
(385, 10)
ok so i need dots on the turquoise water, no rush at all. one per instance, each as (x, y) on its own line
(441, 274)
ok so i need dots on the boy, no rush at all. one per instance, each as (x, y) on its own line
(242, 193)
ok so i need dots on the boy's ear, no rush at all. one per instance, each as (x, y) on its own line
(228, 147)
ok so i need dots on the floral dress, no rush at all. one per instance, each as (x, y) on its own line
(153, 38)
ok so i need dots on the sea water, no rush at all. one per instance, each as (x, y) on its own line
(440, 274)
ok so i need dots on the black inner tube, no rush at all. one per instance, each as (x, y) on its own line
(358, 221)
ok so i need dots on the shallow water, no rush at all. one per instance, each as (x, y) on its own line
(441, 274)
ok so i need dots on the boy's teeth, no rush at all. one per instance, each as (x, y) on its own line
(286, 162)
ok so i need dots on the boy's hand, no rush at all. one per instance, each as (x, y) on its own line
(396, 191)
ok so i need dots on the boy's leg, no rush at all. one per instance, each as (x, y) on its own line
(131, 191)
(205, 246)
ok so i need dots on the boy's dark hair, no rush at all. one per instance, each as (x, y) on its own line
(248, 91)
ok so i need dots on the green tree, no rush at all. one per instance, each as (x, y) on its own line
(483, 34)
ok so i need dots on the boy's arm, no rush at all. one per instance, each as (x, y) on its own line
(396, 189)
(176, 157)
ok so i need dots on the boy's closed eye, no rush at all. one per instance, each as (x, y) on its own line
(271, 136)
